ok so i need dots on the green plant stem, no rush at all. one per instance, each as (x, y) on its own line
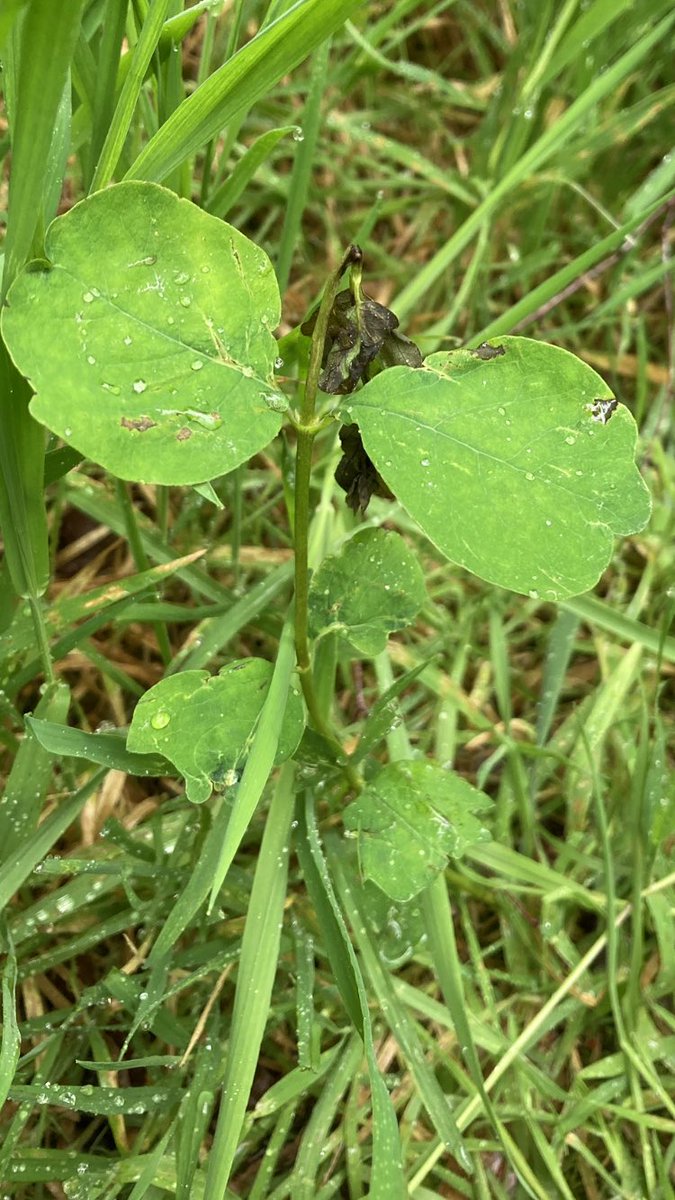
(141, 559)
(41, 638)
(307, 429)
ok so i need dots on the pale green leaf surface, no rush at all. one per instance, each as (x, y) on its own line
(410, 820)
(375, 585)
(155, 356)
(503, 464)
(204, 724)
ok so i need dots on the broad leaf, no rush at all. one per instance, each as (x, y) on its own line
(204, 724)
(511, 459)
(148, 337)
(410, 820)
(374, 586)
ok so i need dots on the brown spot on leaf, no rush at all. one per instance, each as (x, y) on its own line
(485, 351)
(183, 434)
(138, 423)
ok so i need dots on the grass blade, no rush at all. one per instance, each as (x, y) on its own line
(236, 86)
(257, 968)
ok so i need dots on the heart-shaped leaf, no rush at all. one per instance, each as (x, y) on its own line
(511, 459)
(204, 723)
(410, 820)
(372, 587)
(147, 336)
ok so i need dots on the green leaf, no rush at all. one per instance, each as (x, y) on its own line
(511, 460)
(155, 355)
(410, 820)
(204, 724)
(374, 586)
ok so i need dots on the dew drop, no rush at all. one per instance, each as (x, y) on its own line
(424, 462)
(87, 297)
(181, 277)
(160, 719)
(197, 364)
(278, 364)
(549, 523)
(91, 360)
(501, 411)
(298, 135)
(127, 340)
(139, 385)
(186, 301)
(112, 388)
(529, 476)
(205, 270)
(67, 431)
(570, 440)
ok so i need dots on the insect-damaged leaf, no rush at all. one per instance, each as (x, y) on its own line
(360, 332)
(374, 586)
(147, 336)
(204, 724)
(504, 459)
(410, 820)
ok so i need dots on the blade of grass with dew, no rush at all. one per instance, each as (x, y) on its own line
(305, 151)
(399, 1021)
(609, 699)
(150, 33)
(550, 141)
(230, 824)
(46, 47)
(51, 829)
(312, 1148)
(107, 67)
(10, 1044)
(260, 761)
(236, 86)
(387, 1180)
(225, 197)
(257, 968)
(437, 917)
(595, 611)
(518, 315)
(29, 778)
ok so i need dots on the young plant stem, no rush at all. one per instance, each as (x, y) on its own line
(307, 429)
(41, 638)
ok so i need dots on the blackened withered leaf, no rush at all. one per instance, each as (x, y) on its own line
(357, 334)
(356, 474)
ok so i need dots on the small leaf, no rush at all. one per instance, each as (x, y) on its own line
(204, 723)
(410, 820)
(148, 337)
(374, 586)
(511, 461)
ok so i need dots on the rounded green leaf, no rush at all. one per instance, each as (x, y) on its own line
(410, 820)
(509, 460)
(374, 586)
(204, 723)
(147, 336)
